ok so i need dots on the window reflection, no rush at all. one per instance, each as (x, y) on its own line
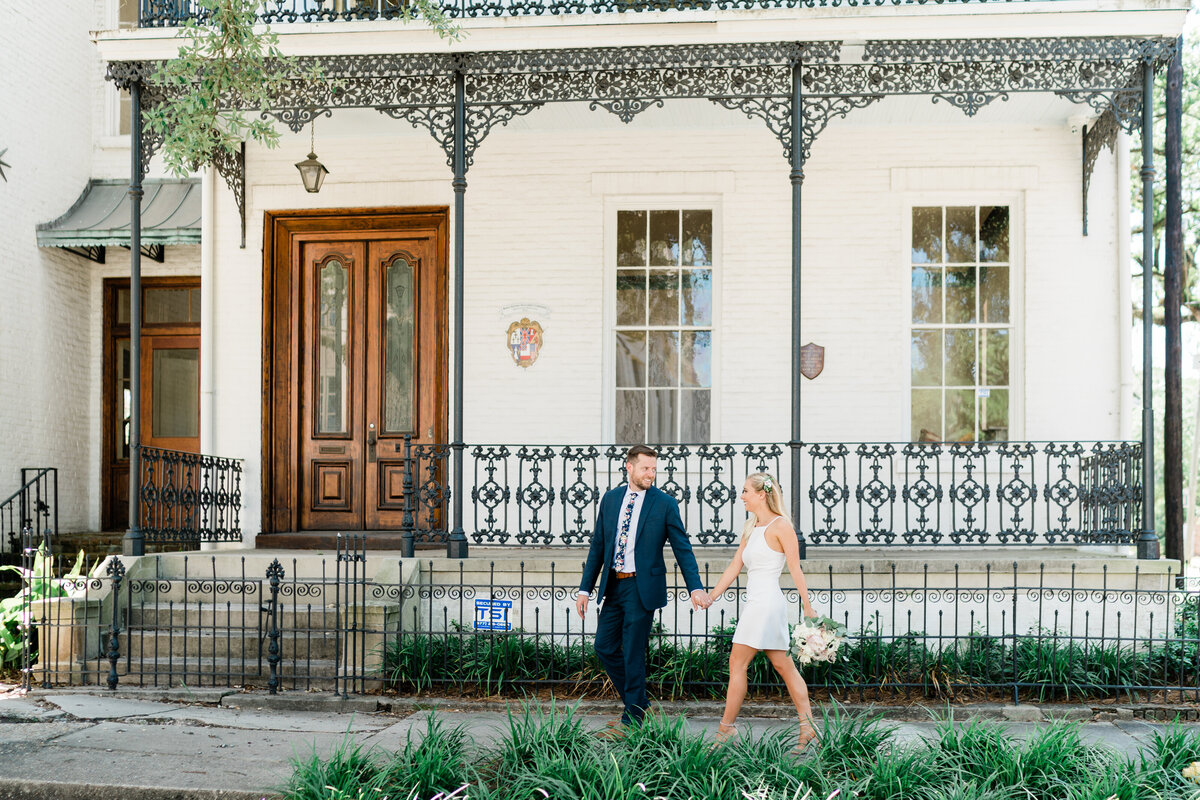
(175, 409)
(664, 300)
(332, 345)
(961, 315)
(398, 353)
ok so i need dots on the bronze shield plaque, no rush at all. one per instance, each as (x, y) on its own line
(812, 360)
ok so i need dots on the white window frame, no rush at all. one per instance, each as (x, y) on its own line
(613, 204)
(110, 133)
(1015, 200)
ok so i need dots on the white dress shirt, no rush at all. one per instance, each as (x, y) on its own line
(640, 497)
(633, 523)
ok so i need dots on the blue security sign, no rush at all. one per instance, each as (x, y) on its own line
(492, 615)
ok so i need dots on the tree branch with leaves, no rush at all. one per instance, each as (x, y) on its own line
(229, 73)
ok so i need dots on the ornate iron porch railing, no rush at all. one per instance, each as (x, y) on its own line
(189, 498)
(851, 494)
(31, 512)
(171, 13)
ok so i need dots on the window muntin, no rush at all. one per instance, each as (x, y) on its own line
(961, 336)
(663, 333)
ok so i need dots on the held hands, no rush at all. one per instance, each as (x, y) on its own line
(700, 600)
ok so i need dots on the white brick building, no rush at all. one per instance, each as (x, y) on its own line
(1042, 309)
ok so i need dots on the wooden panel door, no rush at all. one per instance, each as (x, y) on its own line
(365, 307)
(171, 392)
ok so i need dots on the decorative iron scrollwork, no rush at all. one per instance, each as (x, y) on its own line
(232, 167)
(1098, 136)
(1103, 73)
(189, 498)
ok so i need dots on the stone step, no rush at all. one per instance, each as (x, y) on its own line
(234, 591)
(93, 543)
(164, 645)
(317, 673)
(252, 616)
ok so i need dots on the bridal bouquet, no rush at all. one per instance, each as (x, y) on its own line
(817, 639)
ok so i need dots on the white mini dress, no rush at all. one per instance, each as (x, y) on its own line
(763, 619)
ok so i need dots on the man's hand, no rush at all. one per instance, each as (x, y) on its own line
(700, 599)
(581, 605)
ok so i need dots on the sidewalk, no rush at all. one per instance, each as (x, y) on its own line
(217, 744)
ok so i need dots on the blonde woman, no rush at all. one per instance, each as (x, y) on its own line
(768, 543)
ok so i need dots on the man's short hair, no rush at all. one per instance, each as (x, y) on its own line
(640, 450)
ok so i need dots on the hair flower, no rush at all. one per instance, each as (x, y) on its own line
(768, 485)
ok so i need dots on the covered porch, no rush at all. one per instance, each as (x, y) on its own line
(941, 492)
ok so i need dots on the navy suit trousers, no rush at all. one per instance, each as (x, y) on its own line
(622, 634)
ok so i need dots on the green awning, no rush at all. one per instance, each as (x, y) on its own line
(100, 217)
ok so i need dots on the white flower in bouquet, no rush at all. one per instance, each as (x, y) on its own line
(817, 639)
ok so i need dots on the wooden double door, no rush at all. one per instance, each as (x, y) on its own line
(357, 362)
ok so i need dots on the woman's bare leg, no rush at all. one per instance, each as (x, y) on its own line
(797, 690)
(739, 661)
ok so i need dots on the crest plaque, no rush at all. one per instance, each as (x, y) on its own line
(525, 342)
(812, 360)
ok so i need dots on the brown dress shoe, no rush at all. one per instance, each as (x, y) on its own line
(610, 731)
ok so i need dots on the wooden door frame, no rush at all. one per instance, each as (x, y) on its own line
(111, 331)
(282, 233)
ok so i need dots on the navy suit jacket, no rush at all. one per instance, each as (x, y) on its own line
(658, 522)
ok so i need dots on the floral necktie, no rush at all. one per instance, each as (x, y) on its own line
(623, 534)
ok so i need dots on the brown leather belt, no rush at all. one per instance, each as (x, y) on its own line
(623, 575)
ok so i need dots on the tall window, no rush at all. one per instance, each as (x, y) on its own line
(961, 323)
(127, 13)
(664, 326)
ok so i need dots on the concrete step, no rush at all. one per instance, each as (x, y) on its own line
(252, 616)
(93, 543)
(236, 592)
(319, 673)
(177, 644)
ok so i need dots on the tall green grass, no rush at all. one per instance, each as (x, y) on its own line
(435, 762)
(550, 753)
(1042, 665)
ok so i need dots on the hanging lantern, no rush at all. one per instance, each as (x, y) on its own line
(312, 171)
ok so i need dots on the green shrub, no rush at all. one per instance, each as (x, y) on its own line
(16, 613)
(1043, 665)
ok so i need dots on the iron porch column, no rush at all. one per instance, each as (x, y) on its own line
(1147, 543)
(456, 547)
(134, 543)
(796, 176)
(1172, 316)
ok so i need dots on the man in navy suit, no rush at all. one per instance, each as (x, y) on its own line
(633, 524)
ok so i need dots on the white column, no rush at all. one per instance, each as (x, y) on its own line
(207, 315)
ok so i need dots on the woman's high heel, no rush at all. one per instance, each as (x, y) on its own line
(807, 737)
(725, 732)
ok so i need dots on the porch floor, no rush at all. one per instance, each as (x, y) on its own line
(1090, 564)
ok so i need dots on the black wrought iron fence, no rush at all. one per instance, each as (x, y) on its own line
(358, 623)
(1022, 632)
(851, 494)
(189, 498)
(168, 13)
(32, 508)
